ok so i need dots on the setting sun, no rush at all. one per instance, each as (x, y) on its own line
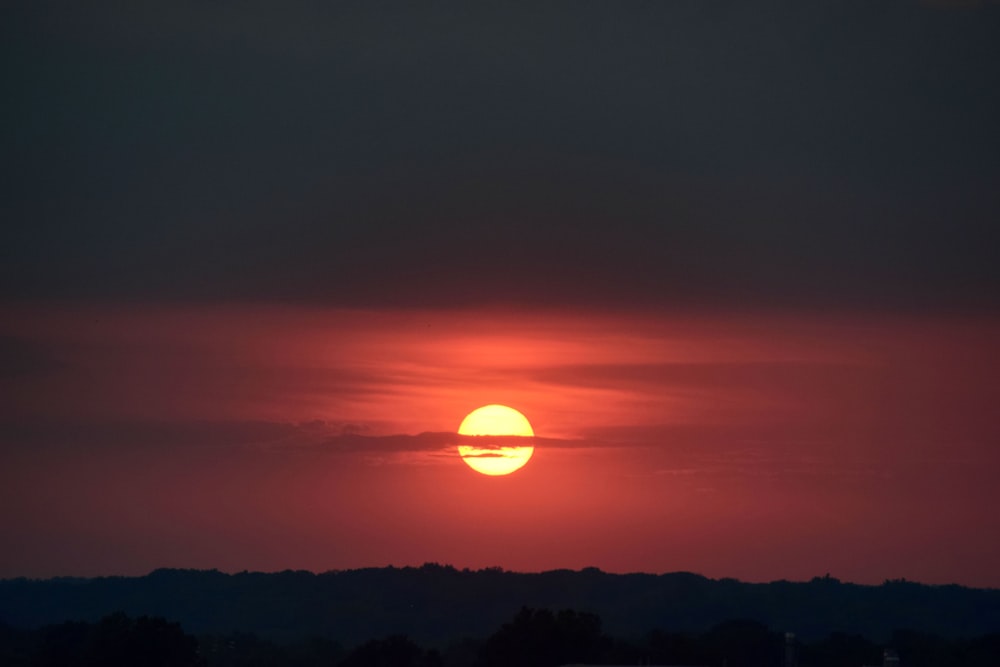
(493, 453)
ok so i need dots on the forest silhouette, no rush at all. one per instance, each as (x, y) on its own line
(533, 638)
(436, 615)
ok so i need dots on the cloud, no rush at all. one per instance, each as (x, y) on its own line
(355, 442)
(436, 441)
(272, 436)
(55, 433)
(755, 374)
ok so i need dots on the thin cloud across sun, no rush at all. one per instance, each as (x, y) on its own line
(493, 427)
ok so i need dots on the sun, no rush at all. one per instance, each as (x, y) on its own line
(497, 449)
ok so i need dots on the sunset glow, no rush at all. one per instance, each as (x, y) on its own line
(734, 263)
(664, 437)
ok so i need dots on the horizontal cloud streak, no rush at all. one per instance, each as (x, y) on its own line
(691, 374)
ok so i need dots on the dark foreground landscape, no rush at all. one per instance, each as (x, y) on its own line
(438, 615)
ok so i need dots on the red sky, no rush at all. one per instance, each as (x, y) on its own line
(251, 257)
(757, 446)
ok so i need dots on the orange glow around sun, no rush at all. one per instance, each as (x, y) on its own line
(493, 457)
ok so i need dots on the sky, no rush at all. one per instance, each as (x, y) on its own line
(734, 261)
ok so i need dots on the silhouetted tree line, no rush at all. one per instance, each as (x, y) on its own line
(533, 638)
(114, 640)
(435, 603)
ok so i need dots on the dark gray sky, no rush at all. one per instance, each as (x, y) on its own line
(736, 154)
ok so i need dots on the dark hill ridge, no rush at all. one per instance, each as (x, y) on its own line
(434, 604)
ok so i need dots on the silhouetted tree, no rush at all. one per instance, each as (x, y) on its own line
(242, 649)
(675, 648)
(462, 653)
(116, 640)
(984, 650)
(395, 651)
(919, 649)
(744, 643)
(62, 644)
(539, 638)
(15, 646)
(315, 651)
(146, 641)
(534, 638)
(841, 649)
(436, 604)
